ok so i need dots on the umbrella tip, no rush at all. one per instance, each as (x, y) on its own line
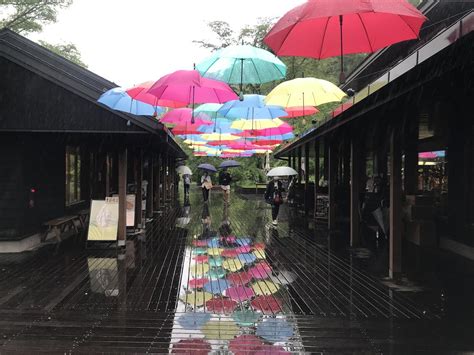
(241, 96)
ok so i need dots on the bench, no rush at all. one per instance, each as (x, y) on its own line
(58, 226)
(83, 216)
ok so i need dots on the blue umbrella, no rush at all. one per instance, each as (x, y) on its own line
(119, 100)
(222, 125)
(229, 164)
(217, 287)
(243, 241)
(207, 167)
(275, 330)
(247, 258)
(194, 320)
(213, 243)
(252, 107)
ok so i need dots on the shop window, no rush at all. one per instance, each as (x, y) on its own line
(432, 171)
(73, 174)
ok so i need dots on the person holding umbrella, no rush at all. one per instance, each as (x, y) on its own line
(186, 184)
(224, 180)
(206, 185)
(273, 196)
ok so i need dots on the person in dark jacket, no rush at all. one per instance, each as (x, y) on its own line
(224, 180)
(273, 195)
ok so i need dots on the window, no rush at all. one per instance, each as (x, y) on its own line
(73, 175)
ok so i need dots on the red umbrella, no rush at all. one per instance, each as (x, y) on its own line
(299, 111)
(243, 249)
(268, 142)
(321, 28)
(267, 304)
(140, 93)
(198, 283)
(245, 344)
(239, 293)
(267, 349)
(276, 131)
(200, 243)
(230, 253)
(201, 258)
(191, 346)
(186, 129)
(239, 278)
(221, 305)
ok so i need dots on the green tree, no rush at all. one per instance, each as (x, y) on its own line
(27, 16)
(67, 50)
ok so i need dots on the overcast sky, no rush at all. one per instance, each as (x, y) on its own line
(129, 42)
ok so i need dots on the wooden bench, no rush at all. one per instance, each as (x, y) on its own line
(58, 226)
(83, 217)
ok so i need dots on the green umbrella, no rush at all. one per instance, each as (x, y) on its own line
(246, 318)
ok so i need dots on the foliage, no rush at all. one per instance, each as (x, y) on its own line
(67, 50)
(27, 16)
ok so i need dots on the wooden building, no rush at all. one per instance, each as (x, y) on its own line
(404, 142)
(59, 148)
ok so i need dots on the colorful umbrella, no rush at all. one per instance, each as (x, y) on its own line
(199, 251)
(221, 305)
(183, 116)
(244, 241)
(185, 129)
(118, 99)
(242, 64)
(260, 271)
(251, 107)
(255, 125)
(239, 278)
(201, 258)
(196, 298)
(300, 111)
(200, 269)
(275, 330)
(140, 93)
(230, 253)
(217, 287)
(215, 261)
(191, 346)
(198, 283)
(200, 243)
(246, 318)
(216, 273)
(232, 264)
(247, 258)
(213, 243)
(239, 293)
(259, 254)
(321, 29)
(193, 320)
(243, 249)
(267, 304)
(265, 288)
(220, 330)
(245, 344)
(214, 251)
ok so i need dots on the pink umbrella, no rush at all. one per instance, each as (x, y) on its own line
(200, 243)
(300, 111)
(243, 249)
(260, 271)
(184, 115)
(198, 283)
(239, 278)
(427, 155)
(186, 129)
(268, 142)
(245, 344)
(267, 304)
(280, 130)
(140, 93)
(239, 293)
(245, 145)
(201, 258)
(230, 253)
(229, 239)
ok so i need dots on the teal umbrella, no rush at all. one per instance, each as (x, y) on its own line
(246, 317)
(242, 64)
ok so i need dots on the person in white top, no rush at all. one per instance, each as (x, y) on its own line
(206, 185)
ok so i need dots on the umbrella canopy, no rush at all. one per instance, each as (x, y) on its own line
(221, 305)
(321, 29)
(184, 170)
(256, 125)
(230, 253)
(251, 107)
(265, 288)
(246, 317)
(300, 111)
(200, 269)
(229, 164)
(282, 171)
(209, 109)
(198, 283)
(215, 261)
(259, 254)
(216, 273)
(200, 243)
(118, 99)
(214, 251)
(199, 251)
(186, 129)
(193, 320)
(217, 287)
(220, 330)
(242, 241)
(232, 264)
(196, 298)
(260, 271)
(275, 330)
(207, 167)
(245, 344)
(140, 93)
(191, 346)
(239, 293)
(183, 116)
(304, 92)
(267, 304)
(239, 278)
(247, 258)
(242, 64)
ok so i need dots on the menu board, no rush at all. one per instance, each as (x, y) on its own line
(322, 206)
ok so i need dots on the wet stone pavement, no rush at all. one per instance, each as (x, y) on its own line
(210, 278)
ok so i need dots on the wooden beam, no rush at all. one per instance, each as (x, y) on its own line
(150, 187)
(306, 176)
(395, 249)
(332, 167)
(355, 172)
(316, 174)
(411, 156)
(156, 183)
(138, 162)
(107, 174)
(299, 170)
(122, 193)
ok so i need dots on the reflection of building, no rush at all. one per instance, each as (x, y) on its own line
(410, 129)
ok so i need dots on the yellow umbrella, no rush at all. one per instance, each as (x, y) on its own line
(232, 264)
(220, 330)
(265, 288)
(256, 124)
(214, 251)
(259, 254)
(304, 92)
(200, 269)
(196, 298)
(218, 136)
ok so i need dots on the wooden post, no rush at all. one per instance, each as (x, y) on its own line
(107, 174)
(355, 179)
(138, 161)
(150, 187)
(332, 167)
(411, 156)
(156, 183)
(122, 193)
(159, 182)
(395, 264)
(316, 174)
(299, 165)
(306, 180)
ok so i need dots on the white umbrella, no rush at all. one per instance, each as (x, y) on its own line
(184, 170)
(282, 171)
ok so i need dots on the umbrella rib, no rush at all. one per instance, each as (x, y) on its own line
(366, 33)
(411, 29)
(232, 70)
(256, 72)
(324, 37)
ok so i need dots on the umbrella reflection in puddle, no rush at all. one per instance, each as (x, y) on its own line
(217, 286)
(245, 344)
(275, 330)
(221, 305)
(267, 304)
(191, 346)
(193, 320)
(220, 330)
(246, 318)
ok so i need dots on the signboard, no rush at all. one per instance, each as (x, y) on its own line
(322, 206)
(103, 221)
(130, 208)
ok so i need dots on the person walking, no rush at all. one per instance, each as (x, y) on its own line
(186, 184)
(206, 185)
(224, 180)
(273, 196)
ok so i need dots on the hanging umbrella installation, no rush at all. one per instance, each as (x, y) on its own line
(118, 99)
(242, 64)
(251, 107)
(183, 116)
(221, 305)
(321, 29)
(275, 330)
(140, 93)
